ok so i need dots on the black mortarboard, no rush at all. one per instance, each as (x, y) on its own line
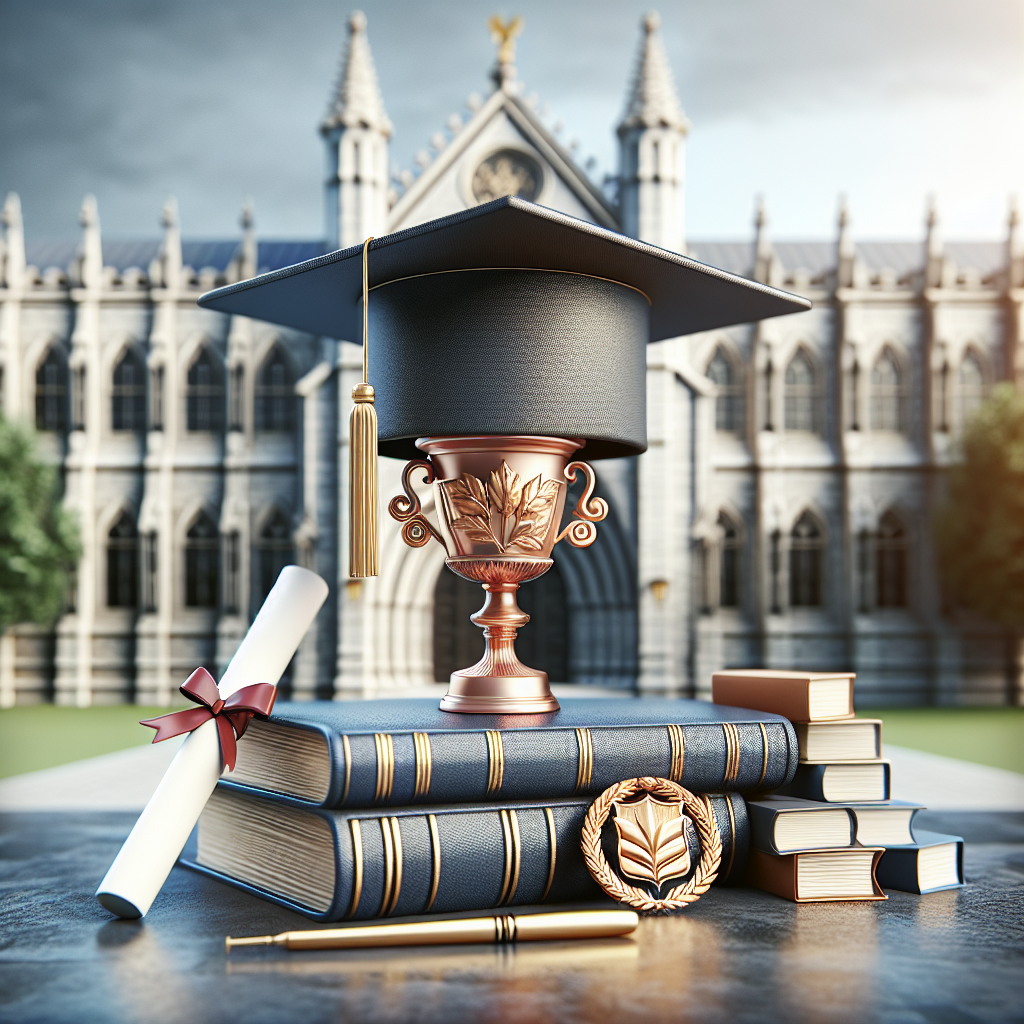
(508, 318)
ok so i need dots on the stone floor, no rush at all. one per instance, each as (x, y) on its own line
(738, 955)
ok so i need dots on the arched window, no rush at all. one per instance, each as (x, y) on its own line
(805, 563)
(888, 394)
(275, 393)
(52, 392)
(205, 399)
(729, 400)
(128, 396)
(891, 563)
(801, 395)
(971, 390)
(275, 550)
(729, 565)
(202, 563)
(122, 563)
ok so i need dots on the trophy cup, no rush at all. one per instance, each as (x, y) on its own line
(499, 502)
(498, 342)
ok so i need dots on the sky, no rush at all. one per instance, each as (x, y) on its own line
(219, 101)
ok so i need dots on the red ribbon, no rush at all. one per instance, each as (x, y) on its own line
(232, 715)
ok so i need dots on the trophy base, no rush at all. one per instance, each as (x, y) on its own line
(499, 695)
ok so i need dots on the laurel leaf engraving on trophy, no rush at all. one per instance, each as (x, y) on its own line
(652, 840)
(533, 514)
(468, 496)
(504, 512)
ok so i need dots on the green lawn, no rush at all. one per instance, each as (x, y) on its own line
(42, 736)
(993, 736)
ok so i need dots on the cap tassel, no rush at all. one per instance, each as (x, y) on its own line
(363, 545)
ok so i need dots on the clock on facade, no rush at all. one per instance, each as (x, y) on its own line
(508, 172)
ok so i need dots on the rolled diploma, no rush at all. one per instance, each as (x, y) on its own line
(150, 851)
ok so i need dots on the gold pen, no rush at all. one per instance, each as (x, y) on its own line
(507, 928)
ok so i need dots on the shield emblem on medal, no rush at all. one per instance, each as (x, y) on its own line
(653, 846)
(657, 823)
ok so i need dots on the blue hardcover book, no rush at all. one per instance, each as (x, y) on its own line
(783, 825)
(845, 782)
(362, 864)
(397, 752)
(933, 862)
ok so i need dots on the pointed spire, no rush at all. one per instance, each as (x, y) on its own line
(12, 267)
(764, 254)
(357, 100)
(170, 253)
(89, 261)
(653, 101)
(1014, 247)
(846, 249)
(249, 252)
(933, 246)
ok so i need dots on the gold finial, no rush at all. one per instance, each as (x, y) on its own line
(504, 35)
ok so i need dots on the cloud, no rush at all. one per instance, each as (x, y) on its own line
(220, 100)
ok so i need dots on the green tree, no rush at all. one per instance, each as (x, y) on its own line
(979, 529)
(38, 536)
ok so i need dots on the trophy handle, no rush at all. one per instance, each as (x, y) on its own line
(417, 530)
(582, 532)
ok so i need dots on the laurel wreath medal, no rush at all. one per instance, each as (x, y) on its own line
(698, 808)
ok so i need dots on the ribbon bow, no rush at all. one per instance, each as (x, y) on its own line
(232, 715)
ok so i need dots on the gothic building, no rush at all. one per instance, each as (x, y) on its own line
(780, 516)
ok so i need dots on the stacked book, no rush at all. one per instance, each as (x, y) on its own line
(832, 832)
(391, 807)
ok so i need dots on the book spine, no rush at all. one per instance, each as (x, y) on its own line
(478, 859)
(396, 769)
(898, 868)
(808, 783)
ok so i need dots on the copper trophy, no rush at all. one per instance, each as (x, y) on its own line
(499, 503)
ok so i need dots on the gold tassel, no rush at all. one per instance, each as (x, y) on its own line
(363, 546)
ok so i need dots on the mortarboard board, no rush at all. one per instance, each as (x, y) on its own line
(508, 318)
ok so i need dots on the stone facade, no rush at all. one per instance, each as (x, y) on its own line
(780, 517)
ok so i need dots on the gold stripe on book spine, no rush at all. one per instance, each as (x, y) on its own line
(495, 762)
(677, 752)
(396, 835)
(732, 752)
(552, 851)
(585, 763)
(732, 836)
(513, 856)
(392, 836)
(357, 866)
(507, 846)
(389, 866)
(385, 765)
(347, 748)
(435, 861)
(517, 857)
(764, 748)
(421, 747)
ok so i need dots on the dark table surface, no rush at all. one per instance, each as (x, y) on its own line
(738, 955)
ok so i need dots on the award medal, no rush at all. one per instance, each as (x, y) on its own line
(653, 845)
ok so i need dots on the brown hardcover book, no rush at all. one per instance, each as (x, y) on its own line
(818, 876)
(859, 739)
(798, 696)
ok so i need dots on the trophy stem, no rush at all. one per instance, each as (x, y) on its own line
(499, 683)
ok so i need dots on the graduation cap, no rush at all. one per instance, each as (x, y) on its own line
(505, 319)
